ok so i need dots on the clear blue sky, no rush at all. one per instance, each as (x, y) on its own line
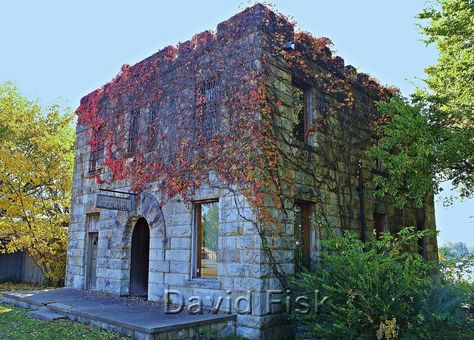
(61, 50)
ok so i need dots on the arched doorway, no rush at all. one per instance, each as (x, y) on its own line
(140, 259)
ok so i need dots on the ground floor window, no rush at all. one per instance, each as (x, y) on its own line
(207, 231)
(302, 236)
(379, 225)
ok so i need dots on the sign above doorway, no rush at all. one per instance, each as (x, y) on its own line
(110, 200)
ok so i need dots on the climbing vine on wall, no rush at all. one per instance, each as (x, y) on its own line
(212, 107)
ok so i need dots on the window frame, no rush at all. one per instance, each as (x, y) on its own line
(96, 157)
(209, 95)
(197, 242)
(153, 131)
(134, 129)
(377, 165)
(379, 220)
(308, 110)
(305, 207)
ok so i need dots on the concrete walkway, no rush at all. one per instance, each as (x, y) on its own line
(126, 316)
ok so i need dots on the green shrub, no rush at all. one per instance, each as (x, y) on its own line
(378, 290)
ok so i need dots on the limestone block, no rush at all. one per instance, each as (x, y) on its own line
(111, 286)
(156, 277)
(229, 255)
(178, 255)
(157, 254)
(181, 243)
(179, 231)
(174, 278)
(78, 281)
(179, 219)
(160, 266)
(180, 267)
(155, 291)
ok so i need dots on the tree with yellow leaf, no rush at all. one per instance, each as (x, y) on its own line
(36, 161)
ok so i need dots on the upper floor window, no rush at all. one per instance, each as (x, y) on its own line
(301, 113)
(209, 98)
(134, 131)
(209, 92)
(154, 111)
(207, 232)
(154, 130)
(97, 152)
(378, 166)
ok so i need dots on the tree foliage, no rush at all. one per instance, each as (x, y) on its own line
(450, 26)
(436, 130)
(379, 290)
(407, 151)
(451, 88)
(36, 160)
(457, 260)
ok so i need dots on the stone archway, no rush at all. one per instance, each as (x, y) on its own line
(140, 259)
(146, 208)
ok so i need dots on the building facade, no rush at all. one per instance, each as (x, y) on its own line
(126, 239)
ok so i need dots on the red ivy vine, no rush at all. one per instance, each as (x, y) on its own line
(244, 152)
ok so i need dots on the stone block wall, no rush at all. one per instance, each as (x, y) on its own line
(242, 264)
(325, 170)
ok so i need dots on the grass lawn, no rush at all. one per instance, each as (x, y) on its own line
(5, 287)
(15, 323)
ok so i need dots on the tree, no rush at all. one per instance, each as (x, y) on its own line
(440, 118)
(36, 160)
(457, 263)
(407, 151)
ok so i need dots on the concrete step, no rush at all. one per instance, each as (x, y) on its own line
(45, 314)
(59, 308)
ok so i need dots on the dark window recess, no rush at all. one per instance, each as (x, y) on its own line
(379, 225)
(154, 112)
(134, 131)
(207, 232)
(302, 236)
(378, 166)
(97, 152)
(153, 130)
(209, 99)
(420, 226)
(301, 114)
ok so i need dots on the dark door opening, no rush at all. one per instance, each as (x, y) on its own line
(139, 259)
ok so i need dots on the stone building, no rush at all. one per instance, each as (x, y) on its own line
(127, 242)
